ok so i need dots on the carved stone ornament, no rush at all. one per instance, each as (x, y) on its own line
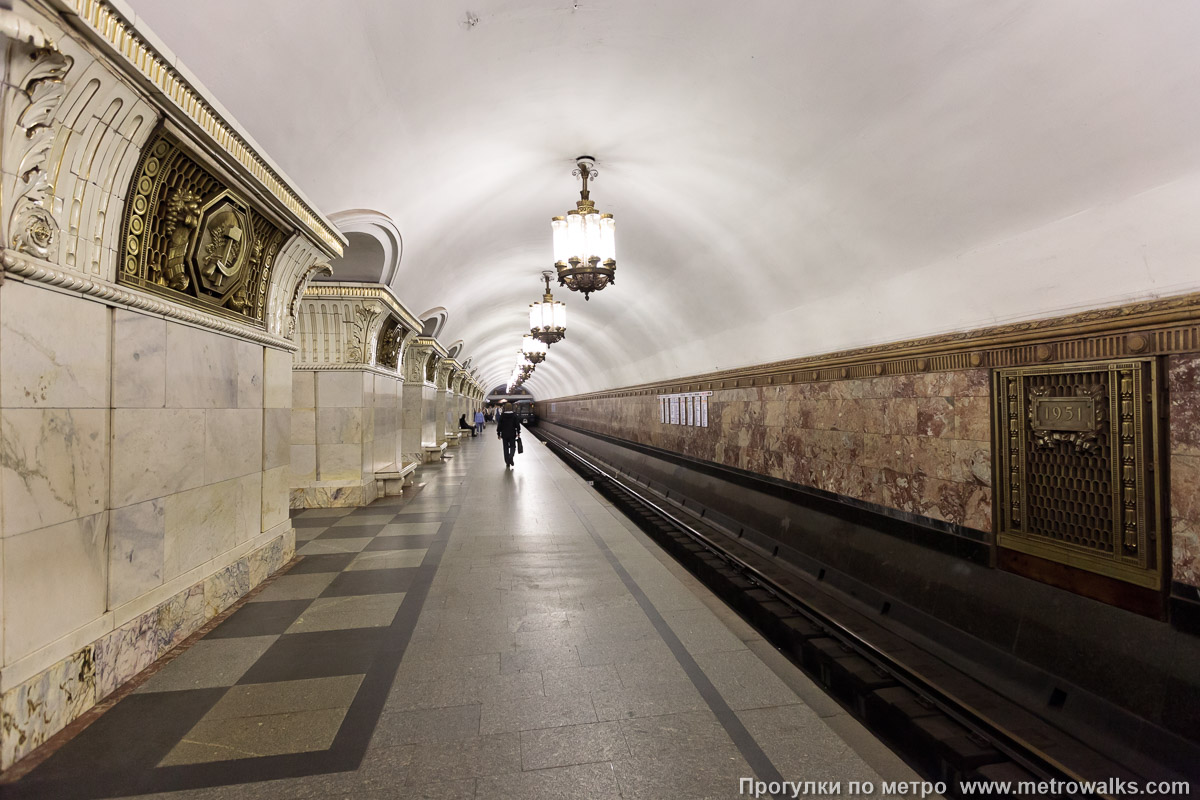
(416, 359)
(356, 347)
(38, 69)
(194, 240)
(1075, 420)
(301, 285)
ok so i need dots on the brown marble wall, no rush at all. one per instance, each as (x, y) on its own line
(1184, 446)
(917, 443)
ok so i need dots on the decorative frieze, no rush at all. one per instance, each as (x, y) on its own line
(1156, 327)
(190, 237)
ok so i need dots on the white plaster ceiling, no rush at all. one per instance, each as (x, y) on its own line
(788, 178)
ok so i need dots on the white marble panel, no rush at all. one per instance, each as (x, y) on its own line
(202, 368)
(277, 437)
(250, 378)
(339, 425)
(250, 509)
(304, 426)
(155, 452)
(55, 580)
(53, 349)
(339, 389)
(278, 370)
(199, 525)
(275, 501)
(339, 462)
(139, 376)
(303, 465)
(304, 391)
(135, 550)
(53, 466)
(232, 443)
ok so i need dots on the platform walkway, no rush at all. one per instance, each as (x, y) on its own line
(493, 634)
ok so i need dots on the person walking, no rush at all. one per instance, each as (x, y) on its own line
(508, 428)
(479, 420)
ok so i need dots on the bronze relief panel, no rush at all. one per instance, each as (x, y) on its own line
(189, 237)
(1077, 477)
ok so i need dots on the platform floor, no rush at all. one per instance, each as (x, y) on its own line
(492, 634)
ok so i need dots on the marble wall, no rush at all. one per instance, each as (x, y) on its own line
(140, 457)
(916, 443)
(1183, 439)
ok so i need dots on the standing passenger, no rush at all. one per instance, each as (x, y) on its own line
(479, 420)
(508, 428)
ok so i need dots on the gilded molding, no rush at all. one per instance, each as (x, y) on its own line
(110, 27)
(364, 291)
(1155, 327)
(129, 298)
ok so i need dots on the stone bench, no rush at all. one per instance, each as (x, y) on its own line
(452, 438)
(393, 479)
(433, 451)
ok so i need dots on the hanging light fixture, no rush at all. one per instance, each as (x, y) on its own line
(548, 319)
(585, 245)
(534, 349)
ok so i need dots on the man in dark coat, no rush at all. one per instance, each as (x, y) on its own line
(508, 428)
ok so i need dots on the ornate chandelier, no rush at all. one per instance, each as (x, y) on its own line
(548, 319)
(585, 245)
(534, 349)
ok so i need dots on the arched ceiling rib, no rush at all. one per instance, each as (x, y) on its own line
(787, 178)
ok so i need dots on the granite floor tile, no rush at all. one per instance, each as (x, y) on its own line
(414, 669)
(680, 775)
(648, 702)
(260, 699)
(625, 652)
(572, 744)
(386, 559)
(413, 542)
(300, 523)
(323, 654)
(448, 692)
(356, 531)
(315, 513)
(322, 546)
(295, 586)
(366, 516)
(209, 663)
(592, 781)
(439, 790)
(744, 680)
(467, 758)
(331, 562)
(411, 529)
(527, 713)
(696, 732)
(371, 581)
(799, 742)
(254, 737)
(421, 726)
(355, 611)
(536, 659)
(259, 619)
(579, 680)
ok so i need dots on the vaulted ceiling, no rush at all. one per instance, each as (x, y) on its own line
(787, 178)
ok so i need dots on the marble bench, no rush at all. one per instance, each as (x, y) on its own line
(434, 451)
(393, 479)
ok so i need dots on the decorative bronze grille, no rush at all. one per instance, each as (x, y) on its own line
(190, 238)
(1076, 480)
